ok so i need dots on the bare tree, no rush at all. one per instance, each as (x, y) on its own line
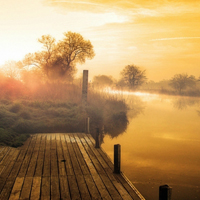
(58, 60)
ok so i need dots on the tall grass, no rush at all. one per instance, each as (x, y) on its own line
(58, 108)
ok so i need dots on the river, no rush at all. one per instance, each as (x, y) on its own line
(161, 145)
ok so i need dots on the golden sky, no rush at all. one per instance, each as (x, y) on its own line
(162, 37)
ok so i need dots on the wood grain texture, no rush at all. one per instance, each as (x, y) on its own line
(61, 166)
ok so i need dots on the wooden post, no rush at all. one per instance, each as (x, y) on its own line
(117, 158)
(85, 86)
(87, 125)
(97, 138)
(165, 192)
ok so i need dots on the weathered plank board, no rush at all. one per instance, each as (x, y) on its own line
(61, 166)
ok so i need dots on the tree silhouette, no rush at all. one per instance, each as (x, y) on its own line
(102, 81)
(133, 76)
(58, 60)
(181, 81)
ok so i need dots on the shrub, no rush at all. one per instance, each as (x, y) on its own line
(15, 108)
(25, 115)
(23, 126)
(19, 140)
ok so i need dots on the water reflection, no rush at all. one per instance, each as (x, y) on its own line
(182, 103)
(161, 146)
(117, 123)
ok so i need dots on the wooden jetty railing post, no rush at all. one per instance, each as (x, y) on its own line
(97, 138)
(85, 86)
(117, 158)
(165, 192)
(87, 125)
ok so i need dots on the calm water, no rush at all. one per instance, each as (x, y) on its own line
(161, 145)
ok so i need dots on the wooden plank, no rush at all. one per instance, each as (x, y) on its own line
(75, 164)
(75, 195)
(35, 191)
(77, 169)
(107, 182)
(95, 161)
(40, 158)
(134, 193)
(61, 159)
(47, 156)
(110, 187)
(45, 189)
(55, 191)
(68, 164)
(26, 188)
(85, 195)
(3, 152)
(7, 170)
(33, 161)
(98, 182)
(17, 160)
(54, 159)
(17, 164)
(86, 157)
(1, 148)
(6, 190)
(23, 150)
(27, 158)
(16, 190)
(92, 187)
(64, 188)
(79, 156)
(6, 159)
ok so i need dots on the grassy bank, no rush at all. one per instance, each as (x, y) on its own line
(59, 110)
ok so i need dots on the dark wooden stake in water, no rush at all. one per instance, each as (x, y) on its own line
(85, 86)
(87, 125)
(165, 192)
(117, 158)
(97, 138)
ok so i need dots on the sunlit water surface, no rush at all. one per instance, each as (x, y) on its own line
(161, 145)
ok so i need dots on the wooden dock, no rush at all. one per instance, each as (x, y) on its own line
(61, 166)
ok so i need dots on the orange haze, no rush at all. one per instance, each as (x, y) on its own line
(162, 37)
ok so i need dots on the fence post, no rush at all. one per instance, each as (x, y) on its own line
(117, 158)
(165, 192)
(97, 138)
(87, 125)
(85, 86)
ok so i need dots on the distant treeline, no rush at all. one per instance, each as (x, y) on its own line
(134, 79)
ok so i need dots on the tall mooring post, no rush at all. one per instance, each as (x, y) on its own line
(87, 125)
(117, 158)
(85, 86)
(97, 139)
(165, 192)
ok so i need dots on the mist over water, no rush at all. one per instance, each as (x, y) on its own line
(161, 145)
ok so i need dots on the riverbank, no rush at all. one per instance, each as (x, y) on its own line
(21, 117)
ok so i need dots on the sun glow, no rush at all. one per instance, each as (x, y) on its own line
(144, 33)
